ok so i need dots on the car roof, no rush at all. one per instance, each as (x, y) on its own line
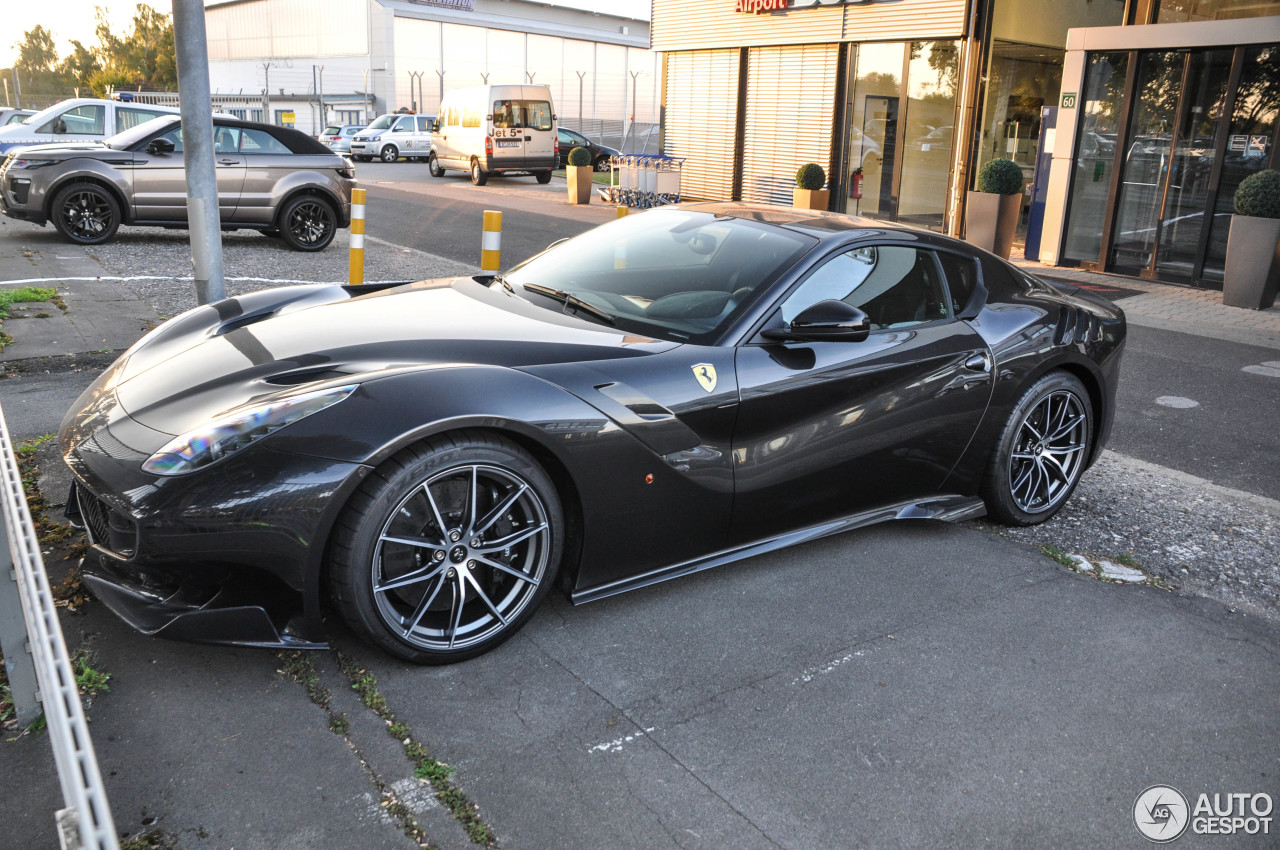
(822, 225)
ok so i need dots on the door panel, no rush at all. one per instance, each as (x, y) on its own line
(160, 180)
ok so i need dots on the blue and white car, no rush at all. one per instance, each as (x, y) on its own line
(81, 119)
(393, 136)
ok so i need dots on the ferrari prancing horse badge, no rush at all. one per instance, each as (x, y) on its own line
(706, 375)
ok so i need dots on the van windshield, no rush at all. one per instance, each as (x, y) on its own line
(530, 114)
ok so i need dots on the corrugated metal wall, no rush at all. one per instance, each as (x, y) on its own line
(701, 119)
(695, 24)
(791, 100)
(287, 29)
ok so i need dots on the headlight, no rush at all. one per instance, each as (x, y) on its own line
(31, 163)
(237, 430)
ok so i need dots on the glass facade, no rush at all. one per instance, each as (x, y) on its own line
(1183, 11)
(1100, 108)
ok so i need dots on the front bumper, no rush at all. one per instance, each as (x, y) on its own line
(17, 195)
(229, 555)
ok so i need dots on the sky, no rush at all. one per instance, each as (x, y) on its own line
(75, 19)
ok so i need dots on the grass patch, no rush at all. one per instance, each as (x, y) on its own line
(1127, 560)
(25, 294)
(425, 767)
(1056, 554)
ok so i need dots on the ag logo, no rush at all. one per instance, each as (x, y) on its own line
(1161, 813)
(706, 375)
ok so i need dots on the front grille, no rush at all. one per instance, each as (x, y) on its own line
(109, 529)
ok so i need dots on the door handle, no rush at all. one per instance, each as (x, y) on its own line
(228, 162)
(978, 363)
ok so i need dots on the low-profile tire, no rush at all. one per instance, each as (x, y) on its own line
(1043, 451)
(307, 223)
(447, 549)
(389, 153)
(434, 166)
(86, 213)
(478, 176)
(543, 176)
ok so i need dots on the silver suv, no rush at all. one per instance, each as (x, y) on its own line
(392, 136)
(273, 179)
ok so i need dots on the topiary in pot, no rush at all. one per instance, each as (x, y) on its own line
(809, 193)
(1259, 195)
(578, 172)
(811, 176)
(991, 213)
(1001, 177)
(1253, 245)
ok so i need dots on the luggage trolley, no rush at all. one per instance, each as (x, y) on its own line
(643, 180)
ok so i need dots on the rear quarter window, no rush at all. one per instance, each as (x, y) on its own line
(258, 142)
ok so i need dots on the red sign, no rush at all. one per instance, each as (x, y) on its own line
(759, 7)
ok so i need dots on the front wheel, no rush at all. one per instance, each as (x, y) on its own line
(433, 166)
(390, 154)
(447, 549)
(1042, 451)
(307, 223)
(478, 176)
(602, 164)
(543, 176)
(86, 213)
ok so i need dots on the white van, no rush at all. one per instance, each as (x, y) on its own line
(81, 119)
(392, 136)
(496, 130)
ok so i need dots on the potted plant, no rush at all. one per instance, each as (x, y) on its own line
(1253, 245)
(809, 194)
(579, 171)
(991, 213)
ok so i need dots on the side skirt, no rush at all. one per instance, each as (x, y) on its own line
(946, 508)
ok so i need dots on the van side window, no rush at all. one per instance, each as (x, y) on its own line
(128, 117)
(451, 119)
(470, 116)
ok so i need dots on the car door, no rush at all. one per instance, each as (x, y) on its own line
(267, 162)
(830, 428)
(160, 178)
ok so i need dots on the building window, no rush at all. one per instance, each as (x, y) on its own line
(255, 115)
(284, 117)
(239, 113)
(1176, 11)
(347, 116)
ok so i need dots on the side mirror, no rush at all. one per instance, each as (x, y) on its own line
(826, 321)
(435, 126)
(159, 146)
(59, 126)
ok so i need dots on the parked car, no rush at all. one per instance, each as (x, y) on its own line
(392, 136)
(600, 154)
(81, 119)
(338, 137)
(437, 456)
(14, 116)
(270, 178)
(499, 129)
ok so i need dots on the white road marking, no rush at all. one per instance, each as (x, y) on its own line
(1270, 369)
(813, 672)
(618, 743)
(1176, 401)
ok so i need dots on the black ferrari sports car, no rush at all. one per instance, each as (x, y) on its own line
(667, 393)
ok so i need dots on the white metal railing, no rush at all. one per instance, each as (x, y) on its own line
(86, 821)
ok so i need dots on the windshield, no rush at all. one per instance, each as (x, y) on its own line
(675, 274)
(126, 139)
(383, 122)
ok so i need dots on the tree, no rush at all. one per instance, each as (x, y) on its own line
(145, 57)
(80, 65)
(37, 64)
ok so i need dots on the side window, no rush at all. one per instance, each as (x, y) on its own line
(538, 114)
(128, 117)
(470, 117)
(175, 136)
(404, 125)
(226, 140)
(87, 120)
(962, 279)
(424, 123)
(258, 142)
(894, 285)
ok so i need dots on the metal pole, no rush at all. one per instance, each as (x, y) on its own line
(6, 90)
(17, 88)
(197, 149)
(580, 74)
(324, 116)
(266, 92)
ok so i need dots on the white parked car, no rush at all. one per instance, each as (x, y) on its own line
(392, 136)
(81, 119)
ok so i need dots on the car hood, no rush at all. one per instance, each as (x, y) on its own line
(70, 150)
(219, 357)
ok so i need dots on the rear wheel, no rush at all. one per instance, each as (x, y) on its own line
(307, 223)
(1042, 452)
(390, 154)
(86, 213)
(478, 176)
(434, 167)
(543, 176)
(602, 163)
(447, 549)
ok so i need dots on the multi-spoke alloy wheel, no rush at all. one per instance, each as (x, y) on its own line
(308, 223)
(1042, 452)
(451, 551)
(86, 213)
